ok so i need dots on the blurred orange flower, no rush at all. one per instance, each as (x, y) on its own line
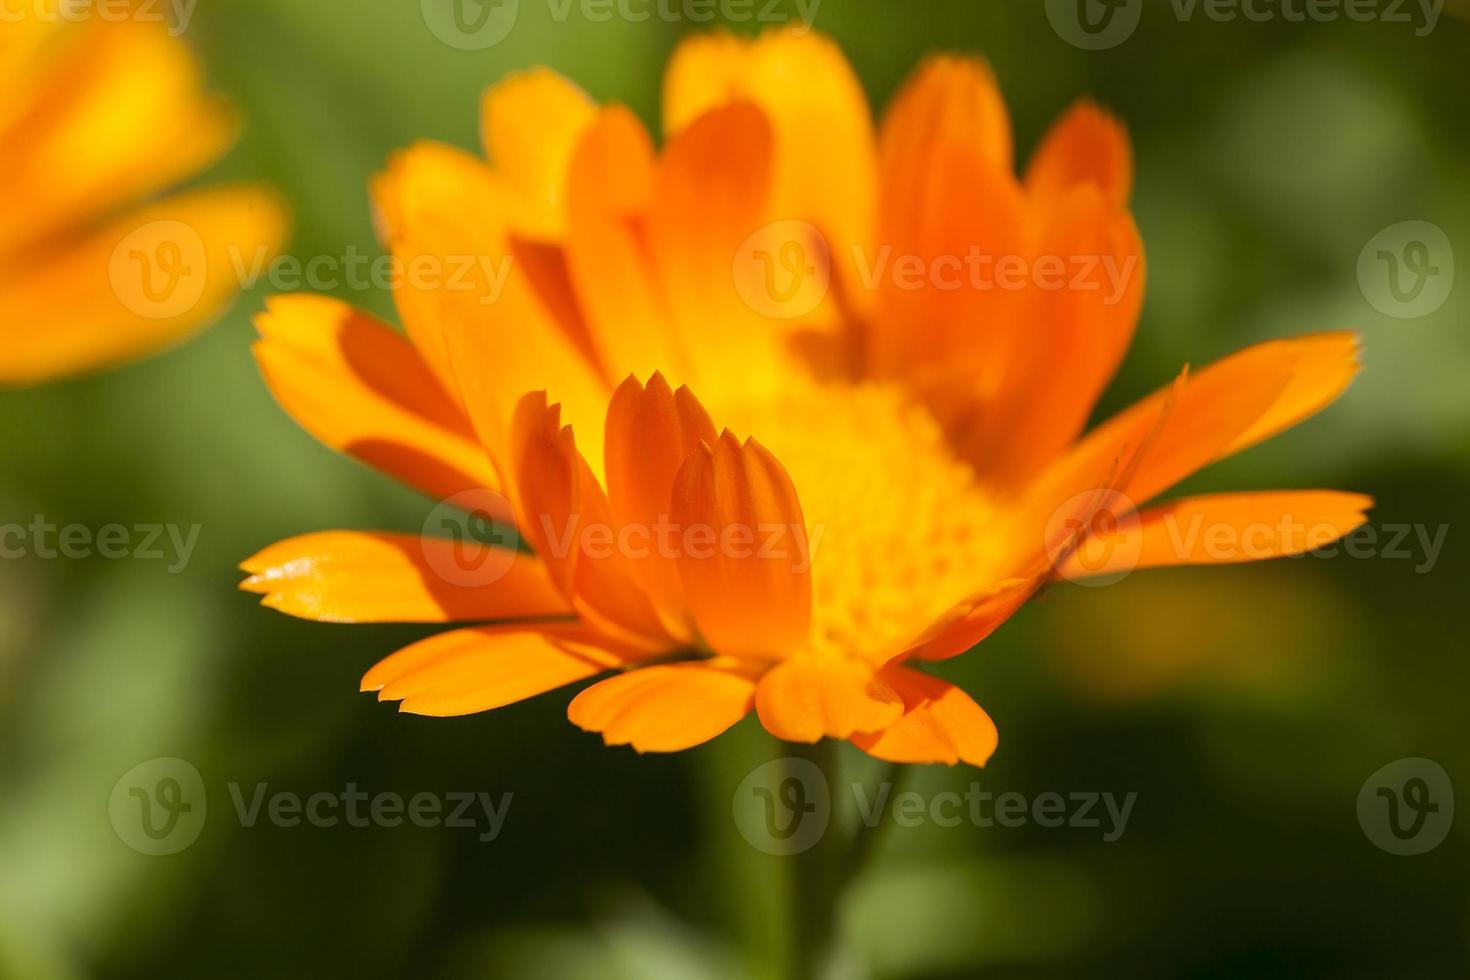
(866, 309)
(101, 112)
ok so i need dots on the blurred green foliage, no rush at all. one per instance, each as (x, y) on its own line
(1267, 155)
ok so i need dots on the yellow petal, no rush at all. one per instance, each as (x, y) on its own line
(140, 284)
(122, 116)
(825, 168)
(531, 123)
(611, 185)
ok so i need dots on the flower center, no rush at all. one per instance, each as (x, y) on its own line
(900, 529)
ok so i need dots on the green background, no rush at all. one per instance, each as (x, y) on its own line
(1245, 706)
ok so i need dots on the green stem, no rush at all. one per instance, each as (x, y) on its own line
(815, 885)
(821, 874)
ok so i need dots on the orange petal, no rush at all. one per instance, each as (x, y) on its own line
(665, 708)
(825, 149)
(122, 116)
(565, 514)
(806, 698)
(143, 282)
(1216, 412)
(947, 196)
(470, 670)
(949, 99)
(1227, 528)
(1079, 334)
(361, 388)
(650, 432)
(744, 558)
(1086, 146)
(973, 620)
(531, 123)
(711, 191)
(940, 723)
(447, 219)
(377, 577)
(611, 184)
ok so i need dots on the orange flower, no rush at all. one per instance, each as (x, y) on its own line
(99, 114)
(903, 465)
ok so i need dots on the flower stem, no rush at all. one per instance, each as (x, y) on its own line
(814, 881)
(821, 874)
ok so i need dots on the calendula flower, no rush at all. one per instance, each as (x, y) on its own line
(756, 471)
(102, 110)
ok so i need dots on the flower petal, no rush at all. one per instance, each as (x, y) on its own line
(1225, 529)
(124, 115)
(940, 723)
(744, 560)
(825, 148)
(611, 186)
(806, 698)
(448, 219)
(711, 194)
(141, 283)
(1086, 146)
(1229, 406)
(650, 432)
(531, 123)
(565, 514)
(665, 708)
(361, 388)
(466, 671)
(947, 197)
(378, 577)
